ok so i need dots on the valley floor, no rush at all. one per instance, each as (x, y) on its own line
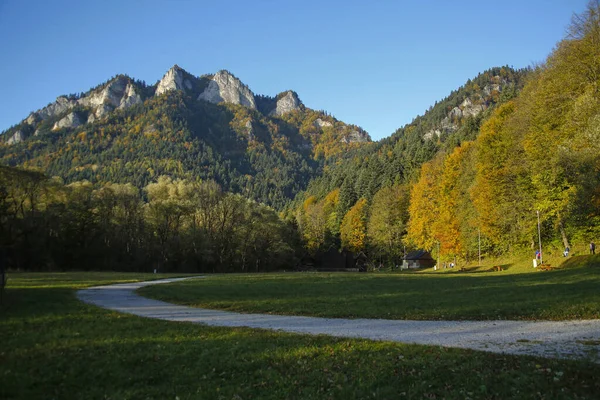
(55, 346)
(564, 339)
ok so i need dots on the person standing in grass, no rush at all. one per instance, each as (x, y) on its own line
(592, 248)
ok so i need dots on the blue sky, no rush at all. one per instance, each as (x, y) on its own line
(377, 64)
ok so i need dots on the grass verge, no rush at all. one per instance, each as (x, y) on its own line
(55, 347)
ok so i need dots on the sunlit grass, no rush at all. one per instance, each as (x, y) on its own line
(55, 347)
(571, 292)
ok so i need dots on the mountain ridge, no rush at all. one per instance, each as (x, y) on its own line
(122, 91)
(211, 127)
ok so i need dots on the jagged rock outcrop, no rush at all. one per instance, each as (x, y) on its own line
(118, 93)
(32, 119)
(61, 105)
(130, 97)
(250, 131)
(175, 79)
(356, 136)
(319, 123)
(72, 120)
(17, 137)
(286, 102)
(224, 87)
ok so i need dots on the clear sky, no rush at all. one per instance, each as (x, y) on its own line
(377, 64)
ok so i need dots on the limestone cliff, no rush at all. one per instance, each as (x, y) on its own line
(71, 120)
(286, 102)
(224, 87)
(175, 79)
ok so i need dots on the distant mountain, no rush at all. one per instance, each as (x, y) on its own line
(186, 126)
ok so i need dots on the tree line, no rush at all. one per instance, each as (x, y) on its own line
(173, 225)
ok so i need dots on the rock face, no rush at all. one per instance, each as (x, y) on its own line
(32, 119)
(118, 93)
(224, 87)
(61, 105)
(130, 97)
(356, 136)
(18, 137)
(286, 102)
(250, 131)
(319, 123)
(72, 120)
(174, 79)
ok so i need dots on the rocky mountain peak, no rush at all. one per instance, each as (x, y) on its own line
(225, 87)
(117, 93)
(286, 101)
(176, 78)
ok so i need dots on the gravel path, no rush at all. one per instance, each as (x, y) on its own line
(564, 339)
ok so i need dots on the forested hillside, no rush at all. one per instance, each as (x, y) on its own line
(539, 152)
(532, 148)
(212, 127)
(375, 179)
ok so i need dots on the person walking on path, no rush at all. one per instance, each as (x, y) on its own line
(592, 248)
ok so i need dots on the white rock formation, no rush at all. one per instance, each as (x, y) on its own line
(225, 87)
(72, 120)
(130, 97)
(250, 130)
(469, 109)
(17, 137)
(32, 119)
(174, 79)
(286, 103)
(319, 123)
(118, 93)
(356, 136)
(61, 105)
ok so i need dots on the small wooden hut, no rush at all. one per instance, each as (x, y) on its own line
(418, 259)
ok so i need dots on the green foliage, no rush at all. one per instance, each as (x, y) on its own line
(183, 226)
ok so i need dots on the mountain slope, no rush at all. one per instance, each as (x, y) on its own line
(398, 158)
(208, 127)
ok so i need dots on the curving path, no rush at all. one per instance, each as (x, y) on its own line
(563, 339)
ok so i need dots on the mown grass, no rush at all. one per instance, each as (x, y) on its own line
(55, 347)
(572, 292)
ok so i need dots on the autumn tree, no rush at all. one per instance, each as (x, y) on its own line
(353, 230)
(388, 217)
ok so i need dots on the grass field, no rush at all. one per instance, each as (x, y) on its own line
(55, 347)
(572, 292)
